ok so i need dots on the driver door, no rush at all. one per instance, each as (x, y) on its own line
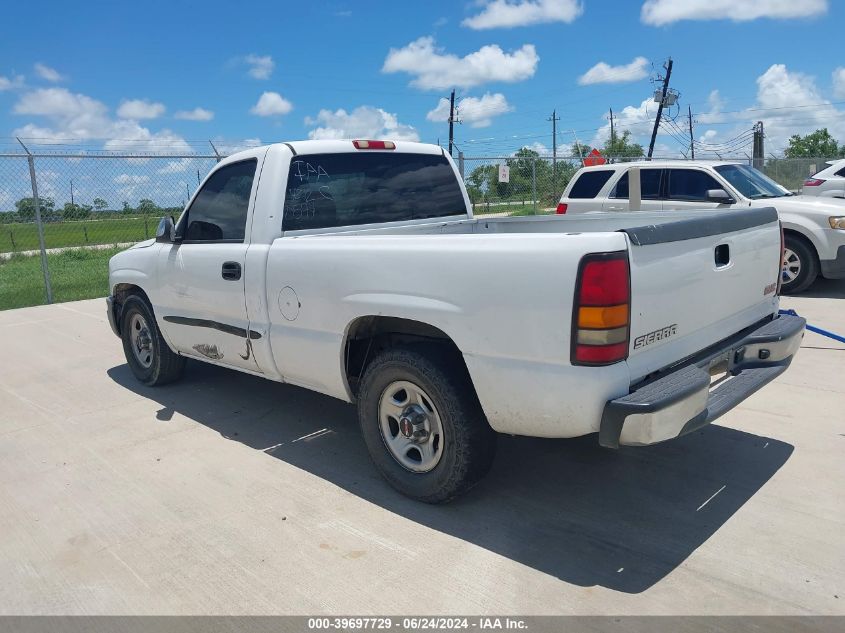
(203, 309)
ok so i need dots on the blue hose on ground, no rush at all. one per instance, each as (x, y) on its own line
(815, 329)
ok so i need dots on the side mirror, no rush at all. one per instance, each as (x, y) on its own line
(166, 231)
(719, 196)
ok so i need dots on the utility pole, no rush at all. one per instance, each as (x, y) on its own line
(691, 141)
(757, 152)
(663, 96)
(71, 193)
(451, 121)
(554, 119)
(612, 136)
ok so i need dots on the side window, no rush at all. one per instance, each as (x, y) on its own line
(649, 185)
(841, 172)
(690, 184)
(589, 183)
(219, 211)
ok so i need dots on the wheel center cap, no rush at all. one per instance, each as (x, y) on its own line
(412, 424)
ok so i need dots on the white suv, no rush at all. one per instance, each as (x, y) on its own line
(814, 227)
(828, 183)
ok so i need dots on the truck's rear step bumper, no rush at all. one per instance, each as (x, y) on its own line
(682, 400)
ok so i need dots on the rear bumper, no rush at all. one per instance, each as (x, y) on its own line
(834, 268)
(681, 400)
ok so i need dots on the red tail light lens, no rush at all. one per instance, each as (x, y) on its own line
(813, 182)
(561, 208)
(601, 315)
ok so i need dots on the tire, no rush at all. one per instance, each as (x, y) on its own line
(800, 265)
(466, 446)
(147, 353)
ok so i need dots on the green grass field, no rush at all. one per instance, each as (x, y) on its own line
(75, 274)
(24, 237)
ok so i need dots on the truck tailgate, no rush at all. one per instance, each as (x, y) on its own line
(697, 281)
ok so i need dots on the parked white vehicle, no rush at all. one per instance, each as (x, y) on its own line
(356, 269)
(814, 228)
(828, 183)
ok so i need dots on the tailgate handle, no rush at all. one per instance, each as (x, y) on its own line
(722, 255)
(231, 271)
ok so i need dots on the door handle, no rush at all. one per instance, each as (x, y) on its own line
(231, 271)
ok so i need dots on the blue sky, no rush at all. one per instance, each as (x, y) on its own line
(167, 75)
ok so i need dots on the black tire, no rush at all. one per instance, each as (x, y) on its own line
(469, 444)
(802, 254)
(164, 364)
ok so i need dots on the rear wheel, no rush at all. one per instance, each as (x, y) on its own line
(423, 425)
(147, 353)
(800, 265)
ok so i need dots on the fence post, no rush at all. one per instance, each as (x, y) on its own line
(534, 183)
(146, 228)
(461, 164)
(44, 266)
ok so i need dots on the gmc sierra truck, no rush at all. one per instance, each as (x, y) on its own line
(356, 269)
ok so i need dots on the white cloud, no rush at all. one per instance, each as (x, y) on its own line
(662, 12)
(11, 84)
(839, 83)
(362, 122)
(638, 119)
(131, 179)
(435, 69)
(260, 66)
(197, 114)
(140, 109)
(507, 14)
(230, 147)
(79, 117)
(48, 74)
(472, 110)
(603, 73)
(271, 104)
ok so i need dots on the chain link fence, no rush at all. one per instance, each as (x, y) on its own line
(64, 214)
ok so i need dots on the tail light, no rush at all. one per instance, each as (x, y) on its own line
(561, 208)
(374, 144)
(813, 182)
(780, 263)
(602, 310)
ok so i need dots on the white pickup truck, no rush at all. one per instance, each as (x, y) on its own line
(814, 227)
(356, 269)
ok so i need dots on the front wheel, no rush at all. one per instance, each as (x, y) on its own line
(147, 353)
(423, 425)
(800, 266)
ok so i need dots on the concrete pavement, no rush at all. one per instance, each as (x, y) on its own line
(228, 494)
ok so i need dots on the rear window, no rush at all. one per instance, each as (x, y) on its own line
(589, 183)
(649, 185)
(350, 188)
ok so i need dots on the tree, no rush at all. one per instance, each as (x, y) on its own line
(26, 208)
(126, 207)
(73, 211)
(100, 204)
(580, 150)
(818, 144)
(145, 205)
(622, 147)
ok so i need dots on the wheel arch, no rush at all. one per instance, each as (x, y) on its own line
(120, 292)
(368, 335)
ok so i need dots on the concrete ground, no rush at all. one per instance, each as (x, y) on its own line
(228, 494)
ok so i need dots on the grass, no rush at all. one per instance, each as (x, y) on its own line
(24, 237)
(75, 274)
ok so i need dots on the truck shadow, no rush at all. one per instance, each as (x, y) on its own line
(586, 515)
(825, 289)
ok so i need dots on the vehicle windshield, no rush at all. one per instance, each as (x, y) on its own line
(751, 183)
